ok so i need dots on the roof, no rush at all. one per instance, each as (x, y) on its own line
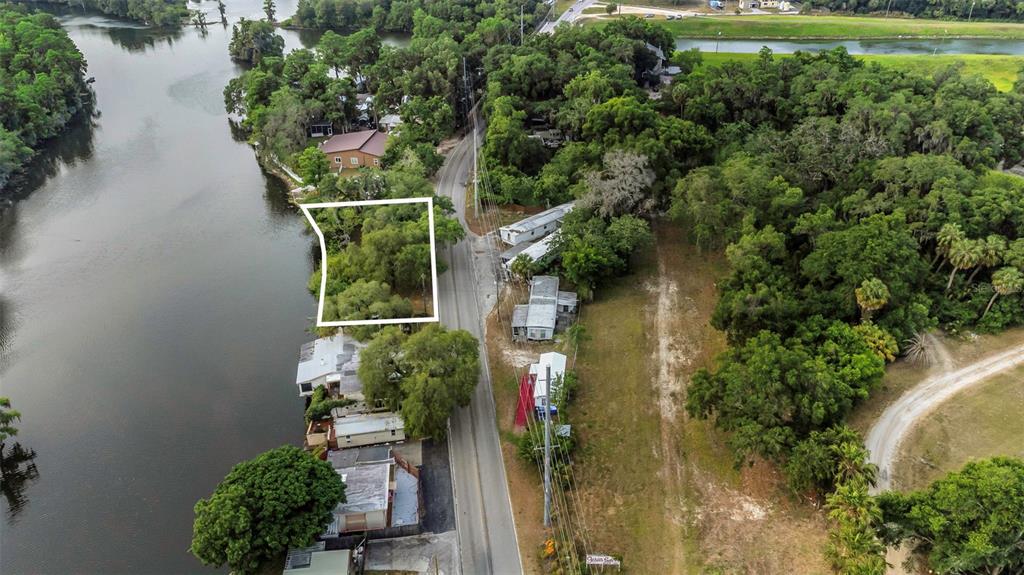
(390, 120)
(541, 315)
(341, 458)
(538, 220)
(510, 254)
(316, 560)
(557, 363)
(567, 298)
(655, 50)
(543, 288)
(366, 488)
(405, 507)
(367, 423)
(324, 356)
(519, 314)
(369, 141)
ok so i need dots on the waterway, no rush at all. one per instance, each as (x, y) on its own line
(860, 47)
(152, 303)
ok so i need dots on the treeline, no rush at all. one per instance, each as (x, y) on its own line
(948, 9)
(151, 12)
(42, 84)
(400, 15)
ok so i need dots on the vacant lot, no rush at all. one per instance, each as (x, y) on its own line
(656, 488)
(837, 27)
(1000, 70)
(982, 422)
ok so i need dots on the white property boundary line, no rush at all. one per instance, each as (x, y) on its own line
(323, 259)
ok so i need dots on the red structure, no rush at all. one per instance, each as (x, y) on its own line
(525, 405)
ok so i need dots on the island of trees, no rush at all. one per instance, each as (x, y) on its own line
(150, 12)
(42, 85)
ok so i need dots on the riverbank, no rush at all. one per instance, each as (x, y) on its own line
(1000, 70)
(838, 28)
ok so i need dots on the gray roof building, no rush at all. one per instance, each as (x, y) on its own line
(535, 226)
(537, 319)
(329, 360)
(366, 488)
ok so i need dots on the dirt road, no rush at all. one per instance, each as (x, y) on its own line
(884, 437)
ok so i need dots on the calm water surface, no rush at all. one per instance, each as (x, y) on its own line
(152, 301)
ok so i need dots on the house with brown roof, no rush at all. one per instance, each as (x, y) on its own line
(355, 149)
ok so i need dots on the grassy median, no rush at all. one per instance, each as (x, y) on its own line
(1000, 70)
(837, 27)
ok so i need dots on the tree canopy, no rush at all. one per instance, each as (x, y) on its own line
(42, 84)
(425, 375)
(281, 499)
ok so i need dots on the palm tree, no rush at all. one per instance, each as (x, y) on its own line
(948, 235)
(963, 254)
(852, 464)
(1005, 281)
(872, 295)
(992, 250)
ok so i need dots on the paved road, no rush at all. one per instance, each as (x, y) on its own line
(567, 16)
(487, 535)
(884, 437)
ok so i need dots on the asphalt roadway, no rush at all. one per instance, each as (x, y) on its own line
(483, 509)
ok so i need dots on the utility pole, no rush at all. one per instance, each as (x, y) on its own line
(476, 180)
(969, 14)
(547, 448)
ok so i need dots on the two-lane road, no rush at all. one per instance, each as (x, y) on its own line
(487, 535)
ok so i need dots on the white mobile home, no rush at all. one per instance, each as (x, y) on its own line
(536, 226)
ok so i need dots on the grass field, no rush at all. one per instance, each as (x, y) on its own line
(655, 488)
(837, 27)
(982, 422)
(1000, 70)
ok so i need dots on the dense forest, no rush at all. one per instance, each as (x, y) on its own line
(399, 15)
(151, 12)
(951, 9)
(42, 84)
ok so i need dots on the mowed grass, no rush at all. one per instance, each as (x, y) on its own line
(998, 69)
(982, 422)
(837, 27)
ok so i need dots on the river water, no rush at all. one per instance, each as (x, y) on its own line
(152, 303)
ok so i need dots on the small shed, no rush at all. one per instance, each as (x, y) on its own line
(541, 388)
(316, 560)
(368, 429)
(321, 129)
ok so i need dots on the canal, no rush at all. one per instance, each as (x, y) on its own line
(152, 303)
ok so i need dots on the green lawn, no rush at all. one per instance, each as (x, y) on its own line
(836, 27)
(1000, 70)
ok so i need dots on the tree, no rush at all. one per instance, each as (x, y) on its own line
(771, 393)
(620, 188)
(253, 40)
(963, 254)
(444, 366)
(312, 165)
(270, 9)
(522, 268)
(872, 295)
(281, 499)
(7, 418)
(970, 521)
(853, 548)
(827, 458)
(1006, 281)
(17, 471)
(610, 8)
(381, 369)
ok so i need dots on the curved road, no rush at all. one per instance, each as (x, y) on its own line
(884, 438)
(483, 509)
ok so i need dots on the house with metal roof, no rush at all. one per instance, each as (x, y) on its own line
(331, 361)
(378, 495)
(535, 251)
(355, 150)
(361, 429)
(543, 389)
(538, 319)
(317, 560)
(536, 226)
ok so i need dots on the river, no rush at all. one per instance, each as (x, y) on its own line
(949, 46)
(152, 303)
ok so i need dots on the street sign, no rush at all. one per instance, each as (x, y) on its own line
(602, 560)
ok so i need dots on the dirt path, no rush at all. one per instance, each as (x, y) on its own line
(884, 437)
(671, 353)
